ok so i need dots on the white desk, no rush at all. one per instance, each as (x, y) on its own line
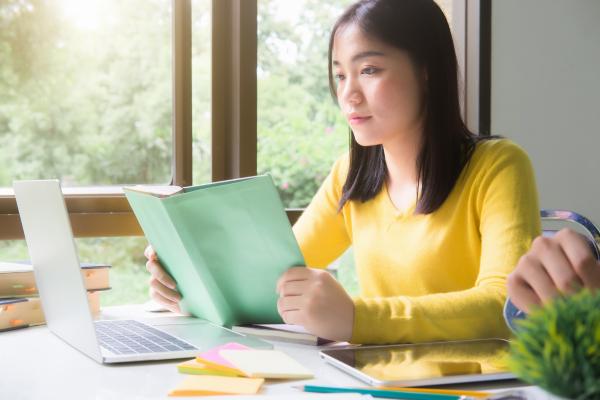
(35, 364)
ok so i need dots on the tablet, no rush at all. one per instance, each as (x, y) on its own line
(424, 364)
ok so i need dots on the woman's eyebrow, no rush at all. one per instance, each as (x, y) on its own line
(363, 54)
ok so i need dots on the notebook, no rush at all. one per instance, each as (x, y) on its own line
(61, 288)
(226, 244)
(282, 332)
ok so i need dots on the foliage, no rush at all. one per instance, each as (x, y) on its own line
(300, 128)
(558, 347)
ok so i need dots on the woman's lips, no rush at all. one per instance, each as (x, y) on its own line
(358, 120)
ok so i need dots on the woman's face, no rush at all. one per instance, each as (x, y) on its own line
(378, 88)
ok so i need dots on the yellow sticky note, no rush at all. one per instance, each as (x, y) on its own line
(195, 367)
(266, 364)
(207, 385)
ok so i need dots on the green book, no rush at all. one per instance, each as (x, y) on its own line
(225, 243)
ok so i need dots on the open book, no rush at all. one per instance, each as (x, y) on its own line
(226, 244)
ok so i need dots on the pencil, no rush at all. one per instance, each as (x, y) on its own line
(388, 394)
(470, 393)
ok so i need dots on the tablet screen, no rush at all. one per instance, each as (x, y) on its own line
(428, 362)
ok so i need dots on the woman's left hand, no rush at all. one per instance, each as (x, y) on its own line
(314, 299)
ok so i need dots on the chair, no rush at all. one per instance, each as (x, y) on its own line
(591, 232)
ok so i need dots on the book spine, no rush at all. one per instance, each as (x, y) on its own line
(22, 284)
(28, 312)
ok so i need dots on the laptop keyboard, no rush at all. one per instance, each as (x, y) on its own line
(133, 337)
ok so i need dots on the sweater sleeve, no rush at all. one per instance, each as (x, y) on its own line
(507, 204)
(321, 230)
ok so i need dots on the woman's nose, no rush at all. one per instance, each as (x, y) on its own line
(351, 93)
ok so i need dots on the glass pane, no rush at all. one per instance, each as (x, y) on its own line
(201, 90)
(300, 129)
(85, 91)
(128, 275)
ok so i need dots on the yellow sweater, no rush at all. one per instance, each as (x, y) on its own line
(430, 277)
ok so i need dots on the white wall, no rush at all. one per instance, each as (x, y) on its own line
(546, 94)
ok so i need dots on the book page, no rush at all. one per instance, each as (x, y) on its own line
(156, 190)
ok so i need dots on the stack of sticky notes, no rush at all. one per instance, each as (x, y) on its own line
(270, 364)
(235, 369)
(211, 362)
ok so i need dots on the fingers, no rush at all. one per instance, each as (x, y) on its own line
(292, 317)
(289, 303)
(163, 301)
(150, 253)
(559, 269)
(292, 274)
(170, 294)
(536, 277)
(292, 288)
(290, 309)
(521, 294)
(583, 263)
(159, 273)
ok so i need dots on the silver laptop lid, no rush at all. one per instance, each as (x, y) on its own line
(55, 263)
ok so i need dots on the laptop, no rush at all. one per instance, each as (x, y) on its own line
(63, 296)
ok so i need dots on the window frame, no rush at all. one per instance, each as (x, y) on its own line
(99, 211)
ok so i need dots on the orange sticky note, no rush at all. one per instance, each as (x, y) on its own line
(207, 385)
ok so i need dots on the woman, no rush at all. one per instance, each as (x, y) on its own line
(437, 216)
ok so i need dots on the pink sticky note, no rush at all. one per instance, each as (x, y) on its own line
(213, 355)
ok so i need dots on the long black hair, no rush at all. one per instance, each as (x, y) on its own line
(419, 28)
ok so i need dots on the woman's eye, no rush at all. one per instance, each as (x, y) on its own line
(369, 70)
(339, 77)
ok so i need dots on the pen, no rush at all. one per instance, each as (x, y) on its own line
(470, 393)
(387, 394)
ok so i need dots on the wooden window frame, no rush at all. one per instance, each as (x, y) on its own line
(104, 211)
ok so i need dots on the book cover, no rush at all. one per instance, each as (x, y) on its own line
(17, 278)
(21, 312)
(226, 244)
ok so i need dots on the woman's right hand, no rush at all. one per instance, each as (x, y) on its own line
(561, 264)
(163, 288)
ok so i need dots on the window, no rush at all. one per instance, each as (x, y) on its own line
(86, 91)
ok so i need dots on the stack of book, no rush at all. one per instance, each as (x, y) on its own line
(20, 305)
